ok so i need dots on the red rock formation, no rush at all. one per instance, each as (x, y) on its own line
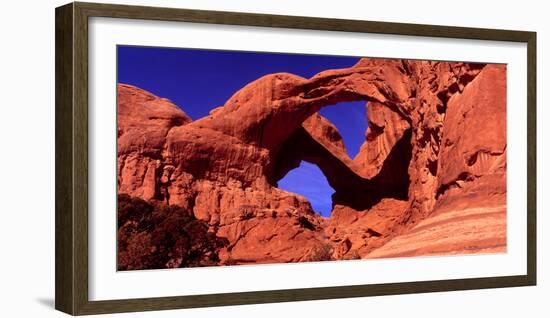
(143, 122)
(470, 200)
(416, 162)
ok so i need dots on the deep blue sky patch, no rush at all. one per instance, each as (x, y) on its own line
(351, 120)
(308, 181)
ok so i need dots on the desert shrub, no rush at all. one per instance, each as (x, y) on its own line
(305, 223)
(320, 252)
(134, 209)
(353, 254)
(230, 260)
(247, 211)
(160, 236)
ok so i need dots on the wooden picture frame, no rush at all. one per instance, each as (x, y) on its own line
(71, 90)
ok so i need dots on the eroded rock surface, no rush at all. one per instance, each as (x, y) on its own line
(435, 146)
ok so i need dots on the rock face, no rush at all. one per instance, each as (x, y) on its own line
(471, 177)
(434, 159)
(143, 122)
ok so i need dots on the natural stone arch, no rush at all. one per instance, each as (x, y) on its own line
(319, 142)
(217, 165)
(256, 113)
(256, 122)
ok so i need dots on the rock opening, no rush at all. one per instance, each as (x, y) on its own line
(309, 181)
(350, 118)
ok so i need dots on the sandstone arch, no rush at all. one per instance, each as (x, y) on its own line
(320, 143)
(224, 167)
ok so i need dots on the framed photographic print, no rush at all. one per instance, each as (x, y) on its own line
(219, 158)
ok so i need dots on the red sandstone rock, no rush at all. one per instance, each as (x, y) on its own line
(436, 134)
(385, 129)
(476, 230)
(474, 138)
(471, 177)
(143, 121)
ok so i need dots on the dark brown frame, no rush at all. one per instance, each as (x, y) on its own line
(71, 157)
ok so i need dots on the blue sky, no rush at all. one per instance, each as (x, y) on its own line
(200, 80)
(310, 182)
